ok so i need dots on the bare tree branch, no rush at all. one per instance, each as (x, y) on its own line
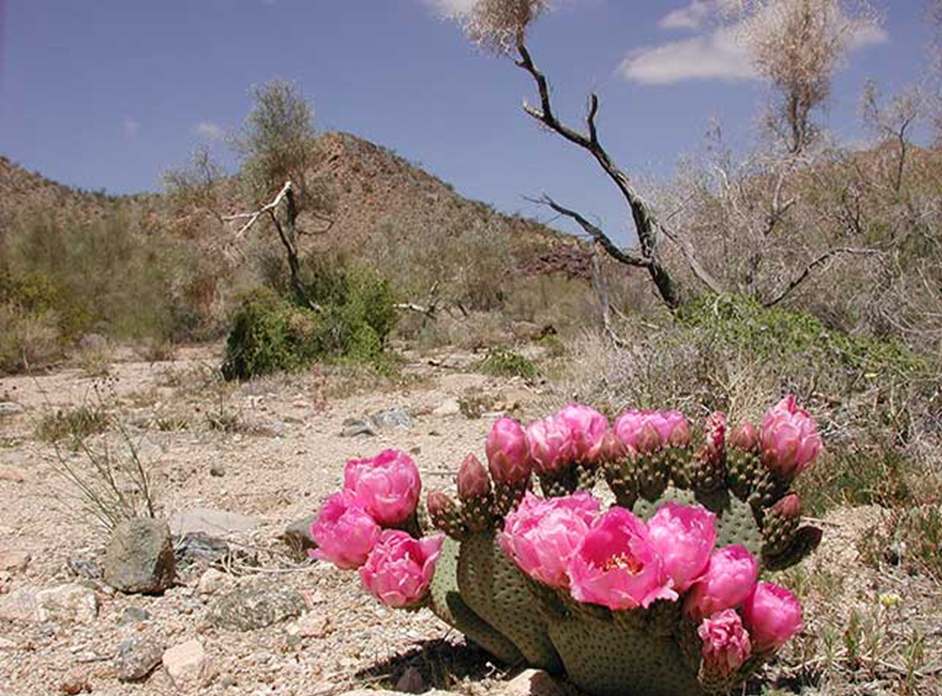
(253, 217)
(809, 269)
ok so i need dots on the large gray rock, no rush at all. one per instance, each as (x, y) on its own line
(140, 557)
(256, 604)
(212, 522)
(137, 657)
(298, 537)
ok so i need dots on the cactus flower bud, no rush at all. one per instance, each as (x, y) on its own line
(729, 580)
(726, 643)
(587, 429)
(680, 435)
(788, 439)
(788, 508)
(473, 482)
(613, 449)
(439, 504)
(773, 616)
(648, 440)
(345, 533)
(744, 437)
(400, 568)
(387, 486)
(550, 443)
(714, 431)
(508, 456)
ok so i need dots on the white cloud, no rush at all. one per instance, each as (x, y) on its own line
(451, 8)
(131, 127)
(715, 53)
(209, 130)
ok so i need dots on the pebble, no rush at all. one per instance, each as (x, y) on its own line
(133, 615)
(14, 561)
(187, 664)
(12, 474)
(137, 657)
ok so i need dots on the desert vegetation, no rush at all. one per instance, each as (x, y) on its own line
(218, 350)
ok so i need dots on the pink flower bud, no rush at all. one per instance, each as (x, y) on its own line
(472, 479)
(508, 456)
(726, 644)
(587, 428)
(617, 566)
(788, 439)
(729, 579)
(550, 445)
(788, 507)
(540, 536)
(683, 535)
(345, 533)
(745, 438)
(680, 435)
(648, 440)
(386, 486)
(439, 504)
(714, 433)
(773, 616)
(613, 449)
(400, 568)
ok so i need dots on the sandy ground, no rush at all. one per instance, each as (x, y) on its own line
(282, 454)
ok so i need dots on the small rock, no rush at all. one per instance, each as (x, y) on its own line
(211, 522)
(212, 581)
(200, 549)
(133, 615)
(12, 474)
(139, 557)
(84, 568)
(254, 605)
(73, 685)
(298, 537)
(19, 605)
(535, 682)
(217, 469)
(449, 407)
(187, 665)
(411, 682)
(10, 408)
(390, 418)
(353, 427)
(14, 561)
(137, 657)
(71, 603)
(312, 625)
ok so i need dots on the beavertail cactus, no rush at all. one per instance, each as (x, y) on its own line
(657, 595)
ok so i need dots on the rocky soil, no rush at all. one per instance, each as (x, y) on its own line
(232, 468)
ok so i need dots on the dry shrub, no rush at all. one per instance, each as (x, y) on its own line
(28, 339)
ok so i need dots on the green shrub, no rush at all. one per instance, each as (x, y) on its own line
(268, 335)
(502, 362)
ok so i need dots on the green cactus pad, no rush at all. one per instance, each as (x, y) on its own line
(608, 660)
(446, 603)
(497, 591)
(735, 522)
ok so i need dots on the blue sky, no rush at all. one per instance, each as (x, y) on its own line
(105, 94)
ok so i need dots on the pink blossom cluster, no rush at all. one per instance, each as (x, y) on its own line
(356, 528)
(617, 560)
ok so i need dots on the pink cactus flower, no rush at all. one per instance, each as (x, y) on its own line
(387, 486)
(773, 616)
(588, 428)
(540, 536)
(551, 445)
(617, 566)
(683, 536)
(788, 439)
(729, 579)
(345, 533)
(726, 644)
(399, 570)
(508, 456)
(671, 427)
(744, 437)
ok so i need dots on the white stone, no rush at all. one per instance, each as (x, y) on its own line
(212, 522)
(71, 603)
(187, 664)
(14, 561)
(19, 605)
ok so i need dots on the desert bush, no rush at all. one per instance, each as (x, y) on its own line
(29, 338)
(74, 424)
(911, 536)
(502, 362)
(268, 335)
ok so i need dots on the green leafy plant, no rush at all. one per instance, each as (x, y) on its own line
(502, 362)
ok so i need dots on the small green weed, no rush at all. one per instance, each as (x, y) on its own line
(502, 362)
